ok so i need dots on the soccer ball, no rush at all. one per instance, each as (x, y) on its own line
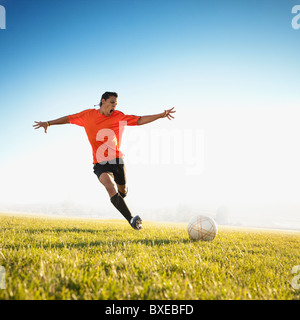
(202, 227)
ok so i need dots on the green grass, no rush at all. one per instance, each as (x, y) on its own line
(46, 258)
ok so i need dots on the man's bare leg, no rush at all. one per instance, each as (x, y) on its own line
(117, 200)
(107, 180)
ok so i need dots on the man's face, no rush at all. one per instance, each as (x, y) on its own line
(109, 105)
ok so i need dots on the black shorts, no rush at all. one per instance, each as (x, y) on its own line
(116, 167)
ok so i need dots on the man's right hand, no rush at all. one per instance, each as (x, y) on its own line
(40, 124)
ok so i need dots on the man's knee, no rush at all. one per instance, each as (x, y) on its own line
(123, 190)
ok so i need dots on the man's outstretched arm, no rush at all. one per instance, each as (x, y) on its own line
(147, 119)
(45, 125)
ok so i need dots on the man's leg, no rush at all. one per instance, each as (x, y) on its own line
(119, 173)
(122, 189)
(107, 180)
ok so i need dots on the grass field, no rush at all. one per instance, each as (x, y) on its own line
(47, 258)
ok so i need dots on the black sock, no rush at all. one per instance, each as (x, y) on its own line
(120, 204)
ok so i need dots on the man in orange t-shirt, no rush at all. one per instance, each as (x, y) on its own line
(104, 128)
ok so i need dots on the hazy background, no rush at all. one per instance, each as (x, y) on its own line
(231, 70)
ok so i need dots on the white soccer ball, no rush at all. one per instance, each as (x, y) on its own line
(202, 227)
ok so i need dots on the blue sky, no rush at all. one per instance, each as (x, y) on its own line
(64, 54)
(60, 47)
(235, 58)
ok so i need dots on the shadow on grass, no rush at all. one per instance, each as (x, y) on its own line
(101, 244)
(146, 242)
(66, 230)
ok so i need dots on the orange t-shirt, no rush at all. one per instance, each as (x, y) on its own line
(104, 133)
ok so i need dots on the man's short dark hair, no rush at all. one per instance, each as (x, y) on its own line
(107, 95)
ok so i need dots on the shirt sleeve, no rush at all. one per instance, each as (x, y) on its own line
(130, 119)
(79, 118)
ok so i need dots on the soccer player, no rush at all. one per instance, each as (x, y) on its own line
(104, 128)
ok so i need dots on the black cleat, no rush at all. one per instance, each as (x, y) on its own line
(136, 223)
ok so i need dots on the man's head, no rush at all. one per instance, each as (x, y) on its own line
(106, 95)
(108, 103)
